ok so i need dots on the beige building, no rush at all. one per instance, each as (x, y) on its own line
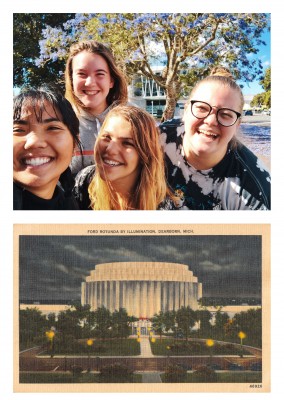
(142, 288)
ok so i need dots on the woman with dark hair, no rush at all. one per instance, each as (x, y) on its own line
(94, 85)
(206, 164)
(45, 134)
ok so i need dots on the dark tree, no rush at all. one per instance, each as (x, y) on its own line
(27, 32)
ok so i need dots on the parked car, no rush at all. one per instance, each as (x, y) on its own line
(214, 366)
(248, 112)
(256, 366)
(266, 112)
(236, 367)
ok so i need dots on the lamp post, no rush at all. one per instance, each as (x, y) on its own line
(210, 344)
(90, 343)
(242, 336)
(138, 335)
(168, 357)
(50, 336)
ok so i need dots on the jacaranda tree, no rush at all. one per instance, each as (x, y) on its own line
(187, 45)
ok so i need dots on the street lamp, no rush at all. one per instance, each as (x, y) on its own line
(242, 336)
(210, 343)
(50, 336)
(169, 349)
(90, 343)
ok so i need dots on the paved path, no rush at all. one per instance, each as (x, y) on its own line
(151, 377)
(145, 347)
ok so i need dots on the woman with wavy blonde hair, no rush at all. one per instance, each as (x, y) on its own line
(94, 85)
(129, 167)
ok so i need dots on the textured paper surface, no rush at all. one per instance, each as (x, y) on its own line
(122, 233)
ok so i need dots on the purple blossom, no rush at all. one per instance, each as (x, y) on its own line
(56, 41)
(104, 19)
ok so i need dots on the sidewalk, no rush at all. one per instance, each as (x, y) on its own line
(145, 347)
(151, 377)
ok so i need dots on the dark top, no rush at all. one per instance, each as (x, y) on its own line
(25, 200)
(238, 182)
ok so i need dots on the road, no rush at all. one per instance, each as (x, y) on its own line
(263, 120)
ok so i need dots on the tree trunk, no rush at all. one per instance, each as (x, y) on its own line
(171, 100)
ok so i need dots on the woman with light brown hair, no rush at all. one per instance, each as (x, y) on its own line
(94, 85)
(129, 167)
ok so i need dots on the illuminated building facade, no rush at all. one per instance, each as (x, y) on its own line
(142, 288)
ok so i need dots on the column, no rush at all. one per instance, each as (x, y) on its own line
(151, 300)
(181, 294)
(176, 295)
(157, 297)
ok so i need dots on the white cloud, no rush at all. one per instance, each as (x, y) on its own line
(62, 268)
(209, 265)
(75, 250)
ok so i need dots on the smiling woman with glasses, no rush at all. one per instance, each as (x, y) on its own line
(205, 162)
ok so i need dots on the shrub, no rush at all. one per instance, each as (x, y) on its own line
(116, 370)
(205, 374)
(175, 373)
(100, 348)
(76, 369)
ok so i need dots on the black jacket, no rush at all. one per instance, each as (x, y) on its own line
(25, 200)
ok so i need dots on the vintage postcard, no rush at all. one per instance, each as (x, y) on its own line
(142, 308)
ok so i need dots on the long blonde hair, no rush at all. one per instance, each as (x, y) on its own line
(118, 93)
(151, 187)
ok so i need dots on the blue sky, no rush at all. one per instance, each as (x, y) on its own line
(265, 56)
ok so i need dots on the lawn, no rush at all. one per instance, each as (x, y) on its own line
(172, 347)
(225, 377)
(68, 377)
(106, 347)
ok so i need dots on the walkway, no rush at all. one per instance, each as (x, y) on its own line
(151, 377)
(145, 347)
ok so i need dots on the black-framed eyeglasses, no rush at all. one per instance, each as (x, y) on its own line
(225, 116)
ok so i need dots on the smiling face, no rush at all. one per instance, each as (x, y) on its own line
(206, 141)
(118, 159)
(91, 81)
(42, 150)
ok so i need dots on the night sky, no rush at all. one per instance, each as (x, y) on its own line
(53, 267)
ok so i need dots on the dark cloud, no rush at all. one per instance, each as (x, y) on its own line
(53, 267)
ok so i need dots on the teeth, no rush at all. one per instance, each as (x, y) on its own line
(208, 133)
(37, 161)
(90, 92)
(111, 162)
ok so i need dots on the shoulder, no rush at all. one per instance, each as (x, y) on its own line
(64, 201)
(82, 182)
(17, 197)
(257, 179)
(85, 175)
(172, 129)
(250, 161)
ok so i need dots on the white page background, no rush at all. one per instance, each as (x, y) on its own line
(8, 217)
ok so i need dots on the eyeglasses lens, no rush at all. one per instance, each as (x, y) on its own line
(225, 116)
